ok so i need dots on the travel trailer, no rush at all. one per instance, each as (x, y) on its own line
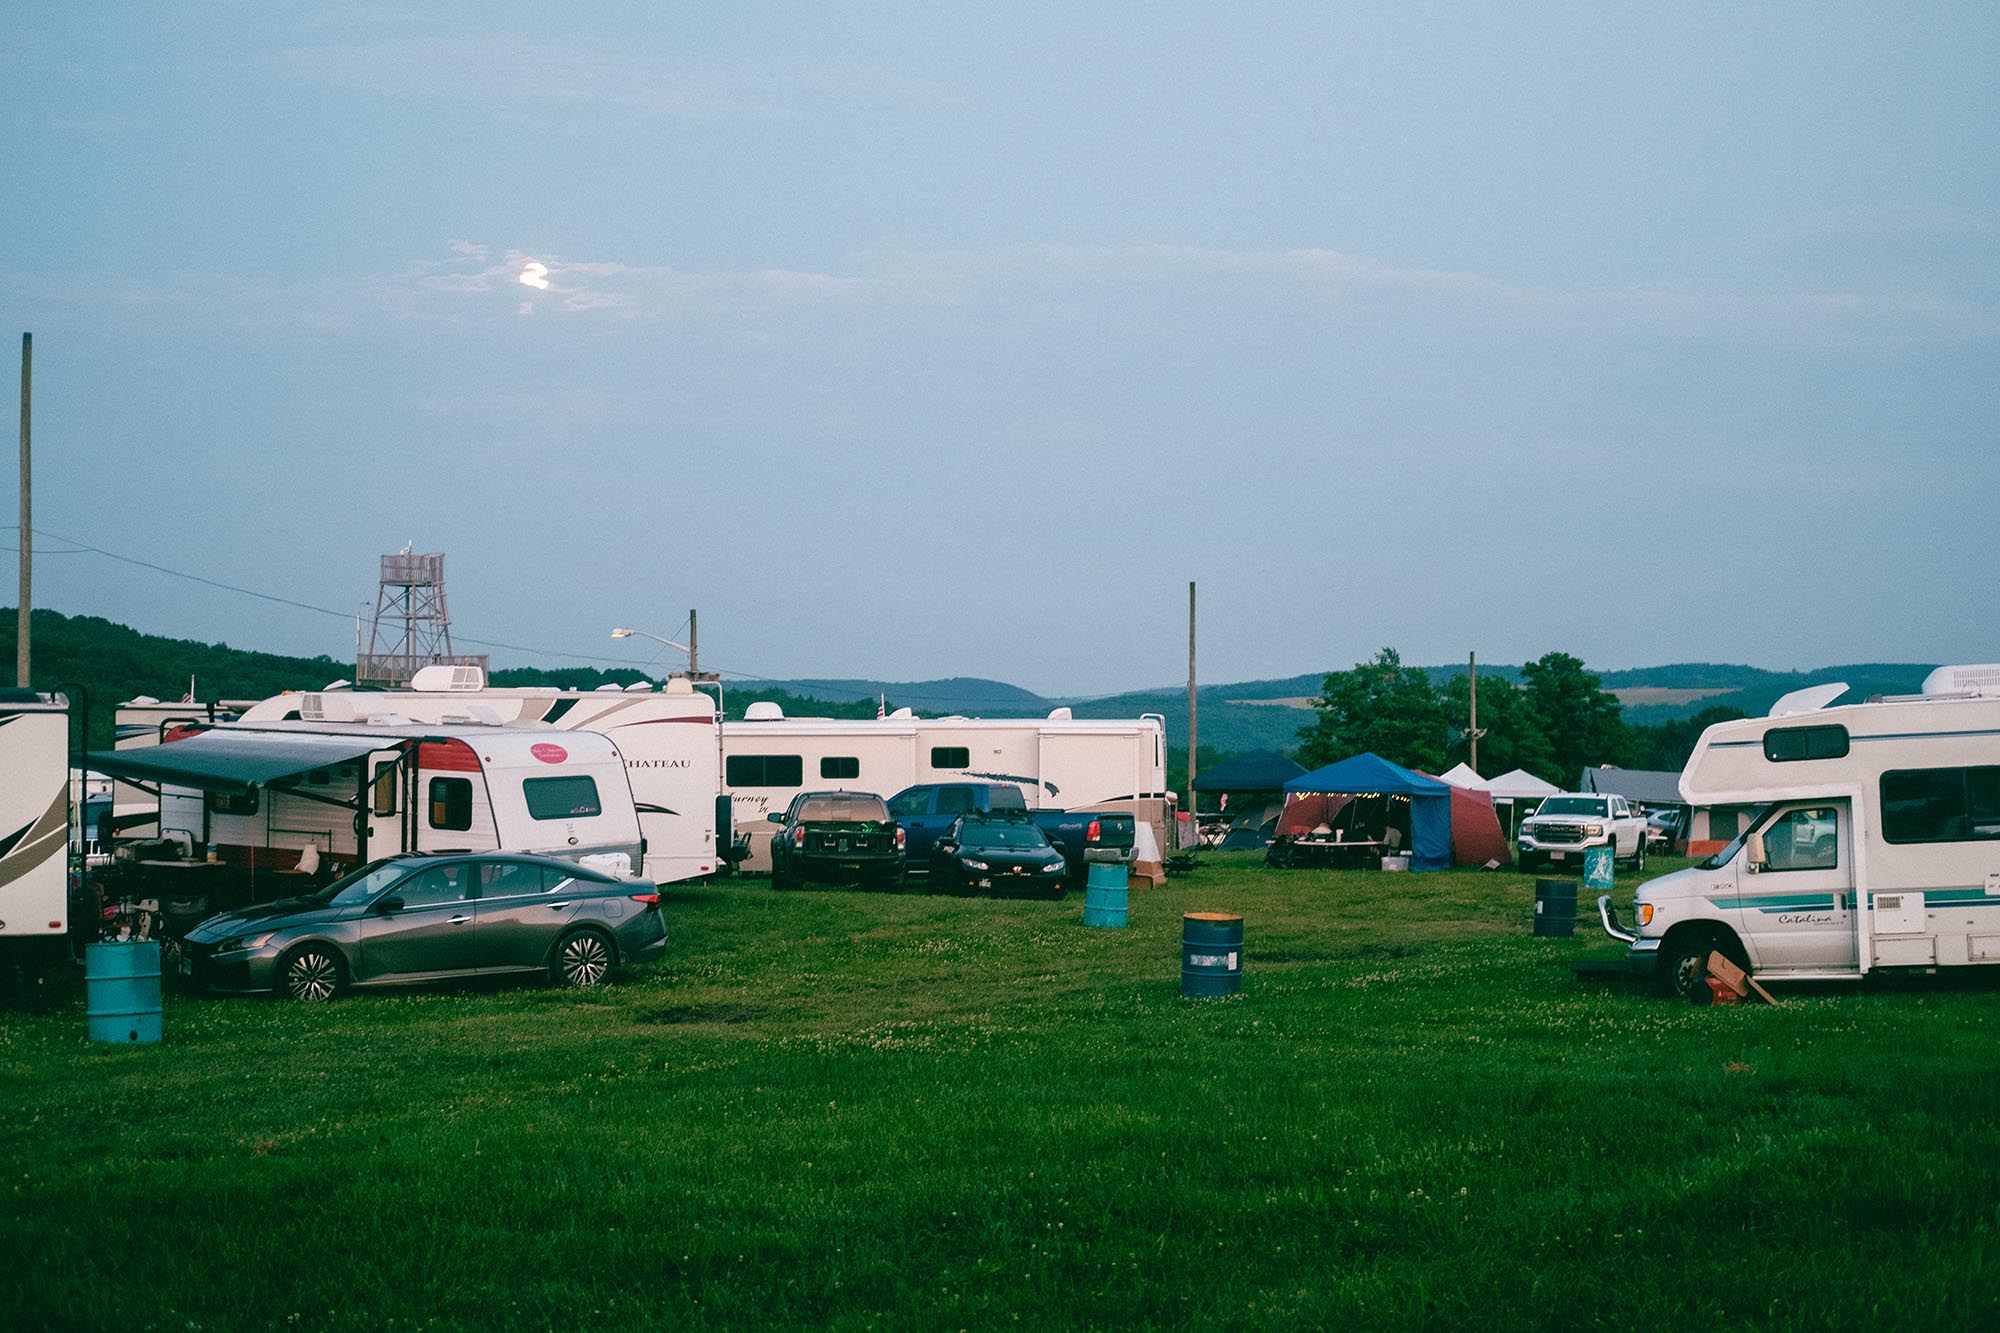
(34, 827)
(1058, 762)
(259, 809)
(667, 737)
(1872, 840)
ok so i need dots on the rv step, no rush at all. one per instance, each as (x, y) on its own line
(1821, 975)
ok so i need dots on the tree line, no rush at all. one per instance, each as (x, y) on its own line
(1555, 723)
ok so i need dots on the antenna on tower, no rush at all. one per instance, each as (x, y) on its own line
(412, 628)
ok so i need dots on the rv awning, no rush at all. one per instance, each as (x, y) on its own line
(232, 761)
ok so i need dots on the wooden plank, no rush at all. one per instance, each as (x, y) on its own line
(1736, 978)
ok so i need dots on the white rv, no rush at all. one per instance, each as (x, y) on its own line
(1873, 840)
(668, 739)
(34, 826)
(1059, 762)
(266, 800)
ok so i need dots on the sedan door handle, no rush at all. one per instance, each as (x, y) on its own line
(557, 907)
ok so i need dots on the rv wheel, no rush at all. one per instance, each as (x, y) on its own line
(583, 959)
(1684, 962)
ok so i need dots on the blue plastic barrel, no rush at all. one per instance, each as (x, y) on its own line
(121, 987)
(1211, 954)
(1597, 867)
(1104, 892)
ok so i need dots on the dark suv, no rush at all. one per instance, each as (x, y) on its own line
(844, 837)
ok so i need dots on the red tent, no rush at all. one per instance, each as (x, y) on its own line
(1475, 830)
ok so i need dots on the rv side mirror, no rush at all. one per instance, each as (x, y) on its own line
(1753, 851)
(389, 903)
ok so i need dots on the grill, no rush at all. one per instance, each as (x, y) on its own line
(1571, 833)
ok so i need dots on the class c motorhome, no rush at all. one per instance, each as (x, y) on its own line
(1873, 840)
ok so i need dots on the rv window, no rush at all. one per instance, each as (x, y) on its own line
(385, 789)
(765, 770)
(1803, 840)
(232, 802)
(840, 768)
(451, 803)
(1941, 804)
(562, 798)
(1786, 744)
(950, 756)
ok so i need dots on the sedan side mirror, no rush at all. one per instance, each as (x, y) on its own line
(775, 818)
(391, 903)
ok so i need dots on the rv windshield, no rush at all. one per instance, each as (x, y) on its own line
(1728, 853)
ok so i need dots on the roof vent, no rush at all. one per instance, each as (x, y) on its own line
(639, 687)
(1061, 715)
(763, 711)
(1982, 680)
(444, 678)
(1808, 700)
(903, 715)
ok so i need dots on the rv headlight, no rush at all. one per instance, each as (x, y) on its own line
(236, 943)
(1643, 913)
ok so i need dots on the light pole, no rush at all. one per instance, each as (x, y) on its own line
(693, 677)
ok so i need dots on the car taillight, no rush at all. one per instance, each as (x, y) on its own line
(799, 836)
(645, 897)
(1095, 833)
(902, 838)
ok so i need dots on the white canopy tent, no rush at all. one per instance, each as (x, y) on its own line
(1461, 776)
(1519, 792)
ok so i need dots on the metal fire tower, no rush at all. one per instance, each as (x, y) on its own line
(412, 629)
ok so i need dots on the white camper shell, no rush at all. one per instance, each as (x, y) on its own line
(34, 823)
(667, 737)
(1874, 840)
(1059, 762)
(264, 800)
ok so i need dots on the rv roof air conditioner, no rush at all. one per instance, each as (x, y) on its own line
(1982, 680)
(443, 678)
(322, 707)
(678, 685)
(763, 711)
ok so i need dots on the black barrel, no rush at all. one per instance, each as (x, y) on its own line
(1555, 908)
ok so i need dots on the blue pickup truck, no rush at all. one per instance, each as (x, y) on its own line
(927, 810)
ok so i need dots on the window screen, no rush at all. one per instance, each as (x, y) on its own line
(765, 770)
(451, 803)
(1786, 744)
(841, 768)
(1941, 804)
(562, 798)
(950, 756)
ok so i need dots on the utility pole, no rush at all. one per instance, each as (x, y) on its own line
(694, 646)
(1472, 732)
(21, 672)
(1191, 719)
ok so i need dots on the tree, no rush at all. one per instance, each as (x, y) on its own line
(1666, 746)
(1381, 706)
(1582, 722)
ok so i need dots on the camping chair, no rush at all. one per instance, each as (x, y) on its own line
(1392, 841)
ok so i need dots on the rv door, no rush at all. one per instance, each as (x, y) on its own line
(385, 805)
(1799, 906)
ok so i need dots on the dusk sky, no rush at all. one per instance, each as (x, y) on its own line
(914, 341)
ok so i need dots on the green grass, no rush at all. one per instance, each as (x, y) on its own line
(855, 1110)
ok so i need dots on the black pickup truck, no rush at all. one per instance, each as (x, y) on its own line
(927, 810)
(843, 837)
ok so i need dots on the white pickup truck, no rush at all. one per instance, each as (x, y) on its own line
(1567, 824)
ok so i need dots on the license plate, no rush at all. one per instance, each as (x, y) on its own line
(1555, 856)
(983, 884)
(843, 844)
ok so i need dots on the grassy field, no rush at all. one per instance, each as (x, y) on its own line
(852, 1110)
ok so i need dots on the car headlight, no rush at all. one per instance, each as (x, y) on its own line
(971, 864)
(236, 943)
(1592, 830)
(1052, 868)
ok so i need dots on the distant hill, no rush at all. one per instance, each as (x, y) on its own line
(116, 663)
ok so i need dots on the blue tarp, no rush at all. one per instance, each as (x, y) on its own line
(1372, 775)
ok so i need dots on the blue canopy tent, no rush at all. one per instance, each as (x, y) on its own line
(1372, 775)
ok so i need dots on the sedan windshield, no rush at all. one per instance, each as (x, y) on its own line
(359, 887)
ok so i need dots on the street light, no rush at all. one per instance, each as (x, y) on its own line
(629, 633)
(694, 677)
